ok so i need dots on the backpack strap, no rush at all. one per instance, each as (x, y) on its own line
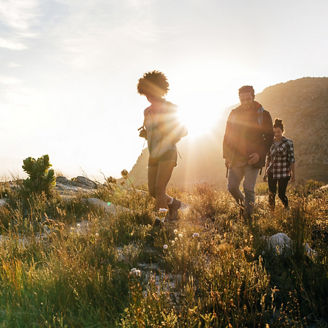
(260, 112)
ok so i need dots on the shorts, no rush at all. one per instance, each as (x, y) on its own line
(170, 155)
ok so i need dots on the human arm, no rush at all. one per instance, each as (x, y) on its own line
(228, 150)
(292, 172)
(291, 160)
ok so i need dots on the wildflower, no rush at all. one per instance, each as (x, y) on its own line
(78, 225)
(180, 235)
(124, 174)
(135, 272)
(172, 242)
(175, 231)
(111, 180)
(165, 246)
(97, 234)
(195, 235)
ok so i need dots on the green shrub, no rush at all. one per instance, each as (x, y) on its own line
(41, 179)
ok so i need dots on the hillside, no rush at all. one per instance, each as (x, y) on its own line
(303, 106)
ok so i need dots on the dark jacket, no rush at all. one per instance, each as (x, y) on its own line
(249, 130)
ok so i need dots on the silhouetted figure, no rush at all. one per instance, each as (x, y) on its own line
(280, 165)
(247, 139)
(162, 130)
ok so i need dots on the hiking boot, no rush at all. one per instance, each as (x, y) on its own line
(173, 214)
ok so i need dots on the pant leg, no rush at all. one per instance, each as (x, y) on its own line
(164, 173)
(272, 184)
(282, 186)
(249, 186)
(236, 174)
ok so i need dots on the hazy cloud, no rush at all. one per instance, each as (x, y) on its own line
(11, 44)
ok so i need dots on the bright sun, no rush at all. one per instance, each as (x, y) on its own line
(198, 117)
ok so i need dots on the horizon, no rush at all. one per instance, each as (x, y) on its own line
(69, 70)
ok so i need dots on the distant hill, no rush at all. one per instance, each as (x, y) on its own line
(303, 106)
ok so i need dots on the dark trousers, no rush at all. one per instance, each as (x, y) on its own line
(282, 186)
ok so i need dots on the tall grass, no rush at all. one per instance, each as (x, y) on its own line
(66, 264)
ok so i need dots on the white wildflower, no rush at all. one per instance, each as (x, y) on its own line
(195, 235)
(165, 246)
(136, 272)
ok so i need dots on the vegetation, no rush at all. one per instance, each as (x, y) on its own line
(64, 263)
(41, 178)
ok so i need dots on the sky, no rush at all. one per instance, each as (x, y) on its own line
(69, 69)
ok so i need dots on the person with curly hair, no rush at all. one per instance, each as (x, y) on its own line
(162, 130)
(280, 165)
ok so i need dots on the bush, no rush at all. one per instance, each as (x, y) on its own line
(41, 179)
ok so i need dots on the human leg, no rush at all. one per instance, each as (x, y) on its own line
(164, 173)
(249, 185)
(234, 178)
(152, 176)
(272, 184)
(282, 186)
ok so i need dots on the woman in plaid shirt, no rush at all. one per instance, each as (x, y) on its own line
(280, 165)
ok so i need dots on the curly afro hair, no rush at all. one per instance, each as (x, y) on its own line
(153, 84)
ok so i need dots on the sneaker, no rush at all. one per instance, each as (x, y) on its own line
(172, 215)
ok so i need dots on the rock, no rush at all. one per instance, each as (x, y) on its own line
(108, 207)
(62, 180)
(309, 251)
(279, 243)
(64, 187)
(84, 182)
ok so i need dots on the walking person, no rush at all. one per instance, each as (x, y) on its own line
(280, 165)
(248, 137)
(162, 130)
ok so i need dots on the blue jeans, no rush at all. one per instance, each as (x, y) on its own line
(236, 174)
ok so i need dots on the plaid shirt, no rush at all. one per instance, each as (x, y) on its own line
(280, 157)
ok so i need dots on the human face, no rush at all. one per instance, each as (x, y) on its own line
(246, 98)
(153, 99)
(277, 133)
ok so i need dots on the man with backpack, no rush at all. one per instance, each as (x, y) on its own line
(247, 140)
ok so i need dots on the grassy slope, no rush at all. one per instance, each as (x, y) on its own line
(224, 277)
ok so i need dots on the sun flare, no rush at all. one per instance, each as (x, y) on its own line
(198, 117)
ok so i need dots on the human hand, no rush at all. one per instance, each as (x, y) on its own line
(253, 158)
(265, 178)
(292, 176)
(142, 133)
(227, 163)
